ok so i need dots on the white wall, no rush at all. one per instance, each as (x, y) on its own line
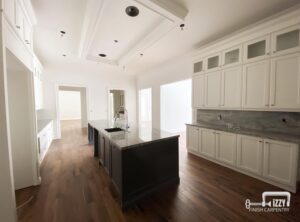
(145, 105)
(7, 200)
(175, 104)
(97, 83)
(69, 105)
(176, 70)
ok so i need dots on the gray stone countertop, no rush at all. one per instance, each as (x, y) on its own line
(135, 136)
(263, 134)
(41, 124)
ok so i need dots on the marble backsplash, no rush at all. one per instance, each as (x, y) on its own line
(273, 122)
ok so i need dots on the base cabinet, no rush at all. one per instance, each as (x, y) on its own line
(226, 147)
(279, 161)
(272, 161)
(250, 154)
(208, 143)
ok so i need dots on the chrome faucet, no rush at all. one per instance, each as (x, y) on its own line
(126, 118)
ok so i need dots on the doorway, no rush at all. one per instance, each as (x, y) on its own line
(71, 107)
(145, 106)
(175, 108)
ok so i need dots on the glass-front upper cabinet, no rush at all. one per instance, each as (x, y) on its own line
(286, 41)
(257, 49)
(232, 56)
(198, 67)
(213, 62)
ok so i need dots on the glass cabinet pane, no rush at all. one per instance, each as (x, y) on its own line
(287, 40)
(256, 49)
(198, 66)
(232, 56)
(213, 62)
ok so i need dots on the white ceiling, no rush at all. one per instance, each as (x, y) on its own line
(206, 21)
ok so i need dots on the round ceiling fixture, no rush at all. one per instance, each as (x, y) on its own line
(132, 11)
(182, 26)
(64, 55)
(116, 41)
(102, 55)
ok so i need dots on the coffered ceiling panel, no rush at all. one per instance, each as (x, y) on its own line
(115, 37)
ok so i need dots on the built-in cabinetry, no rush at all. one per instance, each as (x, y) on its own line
(19, 19)
(272, 161)
(38, 85)
(45, 137)
(262, 73)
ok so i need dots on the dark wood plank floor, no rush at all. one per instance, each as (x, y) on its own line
(74, 188)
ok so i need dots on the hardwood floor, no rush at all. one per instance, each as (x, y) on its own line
(74, 188)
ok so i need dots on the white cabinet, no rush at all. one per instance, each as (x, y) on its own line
(19, 20)
(213, 62)
(9, 10)
(257, 49)
(285, 82)
(208, 143)
(250, 154)
(213, 89)
(27, 33)
(232, 57)
(199, 67)
(192, 138)
(231, 96)
(45, 137)
(226, 144)
(38, 85)
(256, 84)
(286, 41)
(280, 162)
(198, 91)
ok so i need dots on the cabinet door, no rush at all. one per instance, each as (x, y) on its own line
(232, 57)
(36, 92)
(192, 138)
(257, 49)
(226, 147)
(285, 82)
(198, 91)
(199, 67)
(249, 154)
(280, 162)
(107, 156)
(27, 33)
(232, 87)
(102, 149)
(208, 143)
(9, 10)
(213, 89)
(19, 20)
(256, 84)
(286, 41)
(213, 62)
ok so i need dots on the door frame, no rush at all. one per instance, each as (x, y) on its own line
(57, 111)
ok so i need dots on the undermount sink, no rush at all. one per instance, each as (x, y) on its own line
(111, 130)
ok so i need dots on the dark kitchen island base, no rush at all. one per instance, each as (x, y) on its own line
(140, 169)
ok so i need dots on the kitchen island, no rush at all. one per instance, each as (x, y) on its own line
(139, 161)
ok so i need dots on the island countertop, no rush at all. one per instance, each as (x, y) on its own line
(136, 134)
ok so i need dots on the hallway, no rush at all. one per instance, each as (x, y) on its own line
(74, 188)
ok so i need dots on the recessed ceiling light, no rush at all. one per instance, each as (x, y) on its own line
(62, 33)
(141, 54)
(64, 55)
(132, 11)
(102, 55)
(116, 41)
(182, 26)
